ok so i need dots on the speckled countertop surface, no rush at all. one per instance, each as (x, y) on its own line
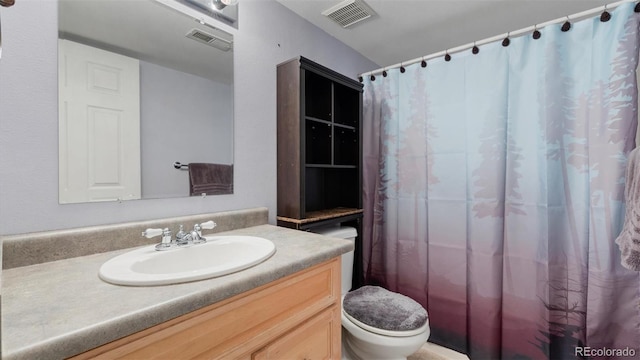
(59, 309)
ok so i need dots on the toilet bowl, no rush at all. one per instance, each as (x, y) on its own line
(365, 341)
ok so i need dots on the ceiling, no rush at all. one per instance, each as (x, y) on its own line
(408, 29)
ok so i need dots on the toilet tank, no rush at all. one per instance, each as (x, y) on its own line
(347, 233)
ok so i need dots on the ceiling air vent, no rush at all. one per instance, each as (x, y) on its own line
(349, 12)
(209, 39)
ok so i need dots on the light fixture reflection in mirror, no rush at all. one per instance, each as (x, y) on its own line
(181, 90)
(225, 11)
(220, 4)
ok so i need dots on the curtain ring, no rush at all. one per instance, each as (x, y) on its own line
(506, 40)
(447, 57)
(423, 63)
(536, 32)
(566, 26)
(384, 72)
(360, 78)
(402, 69)
(475, 49)
(606, 16)
(373, 78)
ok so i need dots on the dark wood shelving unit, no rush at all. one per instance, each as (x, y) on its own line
(319, 149)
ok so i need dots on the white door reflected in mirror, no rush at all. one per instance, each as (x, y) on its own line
(99, 119)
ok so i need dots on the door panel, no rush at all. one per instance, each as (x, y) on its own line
(99, 125)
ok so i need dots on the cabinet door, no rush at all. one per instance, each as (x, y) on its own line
(316, 339)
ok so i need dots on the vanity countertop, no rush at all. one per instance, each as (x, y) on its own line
(59, 309)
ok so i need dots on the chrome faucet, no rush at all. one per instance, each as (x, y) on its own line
(183, 239)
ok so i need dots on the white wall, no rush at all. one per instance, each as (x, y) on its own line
(268, 34)
(183, 118)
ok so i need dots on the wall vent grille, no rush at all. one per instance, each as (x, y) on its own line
(349, 12)
(209, 39)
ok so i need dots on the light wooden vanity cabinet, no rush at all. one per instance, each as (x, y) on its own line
(297, 317)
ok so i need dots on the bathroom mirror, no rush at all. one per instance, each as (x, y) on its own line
(141, 87)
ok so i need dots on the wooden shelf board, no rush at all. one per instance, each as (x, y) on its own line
(313, 216)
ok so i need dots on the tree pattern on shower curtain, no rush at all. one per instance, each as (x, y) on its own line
(494, 190)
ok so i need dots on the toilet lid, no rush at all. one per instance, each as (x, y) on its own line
(378, 308)
(383, 332)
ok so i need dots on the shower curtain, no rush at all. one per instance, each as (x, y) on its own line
(494, 187)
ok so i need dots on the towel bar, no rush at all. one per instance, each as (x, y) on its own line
(180, 166)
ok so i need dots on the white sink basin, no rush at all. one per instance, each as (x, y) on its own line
(220, 255)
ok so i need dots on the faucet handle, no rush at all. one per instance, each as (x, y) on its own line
(150, 233)
(166, 243)
(196, 234)
(208, 225)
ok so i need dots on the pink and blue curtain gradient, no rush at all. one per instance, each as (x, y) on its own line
(494, 191)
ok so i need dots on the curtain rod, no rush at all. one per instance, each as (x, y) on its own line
(578, 16)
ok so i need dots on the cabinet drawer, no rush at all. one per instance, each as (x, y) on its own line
(316, 339)
(236, 326)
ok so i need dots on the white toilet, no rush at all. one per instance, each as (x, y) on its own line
(361, 339)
